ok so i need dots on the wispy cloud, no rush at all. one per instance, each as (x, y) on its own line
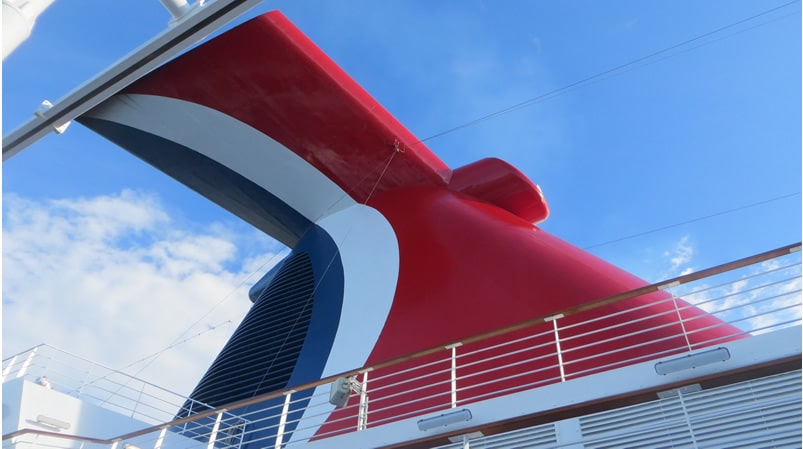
(756, 298)
(679, 257)
(114, 279)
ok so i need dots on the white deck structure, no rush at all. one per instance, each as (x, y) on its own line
(737, 393)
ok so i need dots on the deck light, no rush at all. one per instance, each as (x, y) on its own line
(692, 361)
(444, 419)
(52, 422)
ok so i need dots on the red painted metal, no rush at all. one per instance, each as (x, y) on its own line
(468, 267)
(471, 260)
(280, 83)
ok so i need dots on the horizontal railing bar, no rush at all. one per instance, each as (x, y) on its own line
(409, 379)
(630, 334)
(64, 436)
(548, 333)
(645, 357)
(31, 349)
(615, 314)
(651, 288)
(754, 316)
(748, 318)
(627, 348)
(690, 305)
(528, 373)
(508, 354)
(551, 380)
(411, 390)
(110, 370)
(622, 324)
(744, 278)
(442, 393)
(97, 400)
(550, 342)
(730, 295)
(510, 365)
(445, 359)
(772, 326)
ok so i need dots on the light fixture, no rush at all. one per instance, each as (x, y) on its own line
(692, 361)
(340, 390)
(444, 419)
(52, 422)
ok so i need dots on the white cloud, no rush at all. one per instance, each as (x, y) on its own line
(679, 256)
(114, 279)
(756, 299)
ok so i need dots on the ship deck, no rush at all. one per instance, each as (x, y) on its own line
(741, 390)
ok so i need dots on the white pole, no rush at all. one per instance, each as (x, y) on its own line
(161, 439)
(19, 17)
(554, 319)
(454, 372)
(8, 368)
(283, 420)
(362, 414)
(215, 428)
(177, 8)
(27, 363)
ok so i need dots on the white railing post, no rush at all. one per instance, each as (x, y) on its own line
(454, 372)
(215, 428)
(362, 416)
(283, 420)
(160, 439)
(27, 362)
(8, 367)
(680, 320)
(189, 413)
(554, 319)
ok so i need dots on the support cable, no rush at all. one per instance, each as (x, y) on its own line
(628, 65)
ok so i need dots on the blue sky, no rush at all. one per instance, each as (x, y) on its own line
(705, 128)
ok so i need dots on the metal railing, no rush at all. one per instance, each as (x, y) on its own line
(747, 297)
(96, 384)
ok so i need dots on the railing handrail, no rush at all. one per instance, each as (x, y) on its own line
(591, 305)
(25, 351)
(109, 372)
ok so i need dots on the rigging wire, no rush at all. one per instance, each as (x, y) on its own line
(693, 220)
(600, 75)
(171, 346)
(179, 341)
(231, 292)
(152, 357)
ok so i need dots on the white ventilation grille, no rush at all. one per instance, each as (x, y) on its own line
(760, 413)
(757, 413)
(539, 436)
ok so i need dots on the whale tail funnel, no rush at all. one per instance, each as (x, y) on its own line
(392, 252)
